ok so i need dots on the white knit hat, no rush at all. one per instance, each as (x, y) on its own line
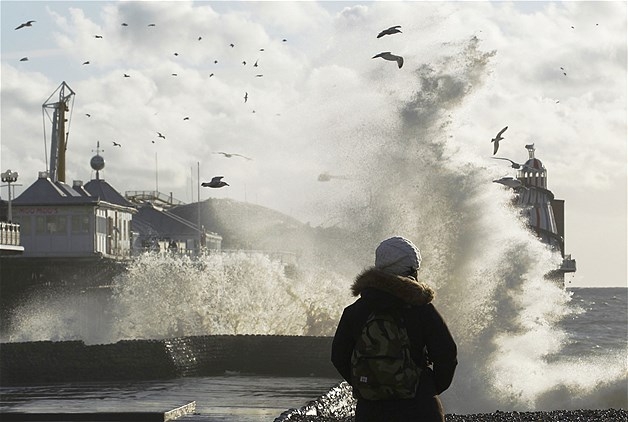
(397, 255)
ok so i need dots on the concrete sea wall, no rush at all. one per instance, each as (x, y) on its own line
(47, 361)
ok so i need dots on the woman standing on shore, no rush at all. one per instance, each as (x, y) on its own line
(391, 288)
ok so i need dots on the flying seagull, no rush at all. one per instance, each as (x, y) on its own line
(513, 165)
(115, 144)
(246, 97)
(97, 36)
(387, 55)
(392, 30)
(498, 138)
(29, 23)
(510, 182)
(216, 182)
(232, 154)
(24, 59)
(160, 135)
(87, 62)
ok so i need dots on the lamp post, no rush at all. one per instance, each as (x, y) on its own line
(9, 177)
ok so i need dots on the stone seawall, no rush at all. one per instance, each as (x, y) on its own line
(47, 361)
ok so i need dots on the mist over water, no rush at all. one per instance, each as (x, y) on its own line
(407, 175)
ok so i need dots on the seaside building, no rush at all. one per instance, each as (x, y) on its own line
(54, 231)
(545, 213)
(157, 229)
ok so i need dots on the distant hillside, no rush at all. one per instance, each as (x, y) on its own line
(249, 226)
(244, 225)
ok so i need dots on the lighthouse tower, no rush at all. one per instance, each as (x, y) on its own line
(544, 212)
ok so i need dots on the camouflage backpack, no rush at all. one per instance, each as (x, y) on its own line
(381, 365)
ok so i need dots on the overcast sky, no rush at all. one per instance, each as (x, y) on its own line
(556, 75)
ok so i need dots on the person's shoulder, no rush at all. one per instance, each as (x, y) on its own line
(426, 310)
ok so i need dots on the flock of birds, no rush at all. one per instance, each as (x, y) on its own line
(217, 182)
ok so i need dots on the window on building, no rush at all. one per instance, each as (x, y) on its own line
(101, 225)
(80, 224)
(54, 224)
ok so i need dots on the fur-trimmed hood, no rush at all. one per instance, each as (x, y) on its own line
(406, 289)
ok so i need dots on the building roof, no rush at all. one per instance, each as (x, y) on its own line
(534, 163)
(169, 225)
(102, 190)
(46, 192)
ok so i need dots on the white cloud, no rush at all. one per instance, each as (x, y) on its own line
(322, 104)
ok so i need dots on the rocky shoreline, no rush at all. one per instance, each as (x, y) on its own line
(337, 406)
(604, 415)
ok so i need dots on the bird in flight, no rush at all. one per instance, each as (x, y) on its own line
(22, 25)
(392, 30)
(127, 76)
(97, 36)
(229, 155)
(510, 182)
(24, 59)
(115, 144)
(498, 138)
(160, 135)
(246, 97)
(186, 118)
(216, 182)
(513, 165)
(387, 55)
(87, 62)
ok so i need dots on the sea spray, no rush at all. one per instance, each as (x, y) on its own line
(222, 293)
(411, 176)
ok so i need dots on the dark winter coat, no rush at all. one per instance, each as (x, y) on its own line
(433, 347)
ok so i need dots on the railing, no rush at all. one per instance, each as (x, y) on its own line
(9, 234)
(144, 195)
